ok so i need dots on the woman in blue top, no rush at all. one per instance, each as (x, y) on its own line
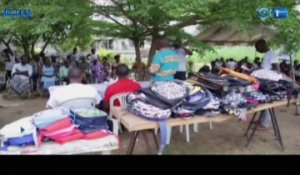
(165, 62)
(48, 74)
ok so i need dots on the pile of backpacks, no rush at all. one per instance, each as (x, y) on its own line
(55, 125)
(171, 99)
(209, 95)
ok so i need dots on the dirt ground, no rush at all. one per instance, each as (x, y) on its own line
(225, 138)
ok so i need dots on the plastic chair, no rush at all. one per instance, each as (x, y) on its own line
(79, 103)
(123, 104)
(195, 129)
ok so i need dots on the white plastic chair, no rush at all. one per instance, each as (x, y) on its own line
(80, 103)
(123, 104)
(195, 129)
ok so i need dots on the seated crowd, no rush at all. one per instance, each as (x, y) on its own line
(44, 71)
(246, 66)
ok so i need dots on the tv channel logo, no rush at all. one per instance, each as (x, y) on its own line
(263, 13)
(17, 13)
(280, 12)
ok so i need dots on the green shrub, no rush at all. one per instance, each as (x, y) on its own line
(107, 53)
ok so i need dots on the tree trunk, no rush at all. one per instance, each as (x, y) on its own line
(26, 51)
(32, 49)
(138, 66)
(152, 48)
(26, 47)
(45, 45)
(43, 49)
(137, 50)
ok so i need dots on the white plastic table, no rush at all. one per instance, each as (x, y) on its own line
(104, 145)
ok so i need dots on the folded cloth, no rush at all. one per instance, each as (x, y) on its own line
(95, 135)
(61, 124)
(18, 128)
(74, 135)
(20, 141)
(47, 117)
(61, 132)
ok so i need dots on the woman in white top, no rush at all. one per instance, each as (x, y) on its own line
(21, 74)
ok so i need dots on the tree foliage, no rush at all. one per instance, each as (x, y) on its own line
(148, 18)
(67, 22)
(52, 21)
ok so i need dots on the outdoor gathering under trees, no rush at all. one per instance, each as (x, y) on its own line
(145, 67)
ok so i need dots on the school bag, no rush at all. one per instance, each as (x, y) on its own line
(170, 92)
(139, 107)
(89, 120)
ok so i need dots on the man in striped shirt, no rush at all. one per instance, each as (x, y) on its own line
(165, 62)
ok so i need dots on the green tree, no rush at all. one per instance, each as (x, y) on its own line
(52, 21)
(149, 18)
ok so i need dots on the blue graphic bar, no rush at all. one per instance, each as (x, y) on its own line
(280, 13)
(17, 13)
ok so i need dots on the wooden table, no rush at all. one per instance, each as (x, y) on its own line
(136, 125)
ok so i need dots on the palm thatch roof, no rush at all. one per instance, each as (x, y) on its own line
(233, 34)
